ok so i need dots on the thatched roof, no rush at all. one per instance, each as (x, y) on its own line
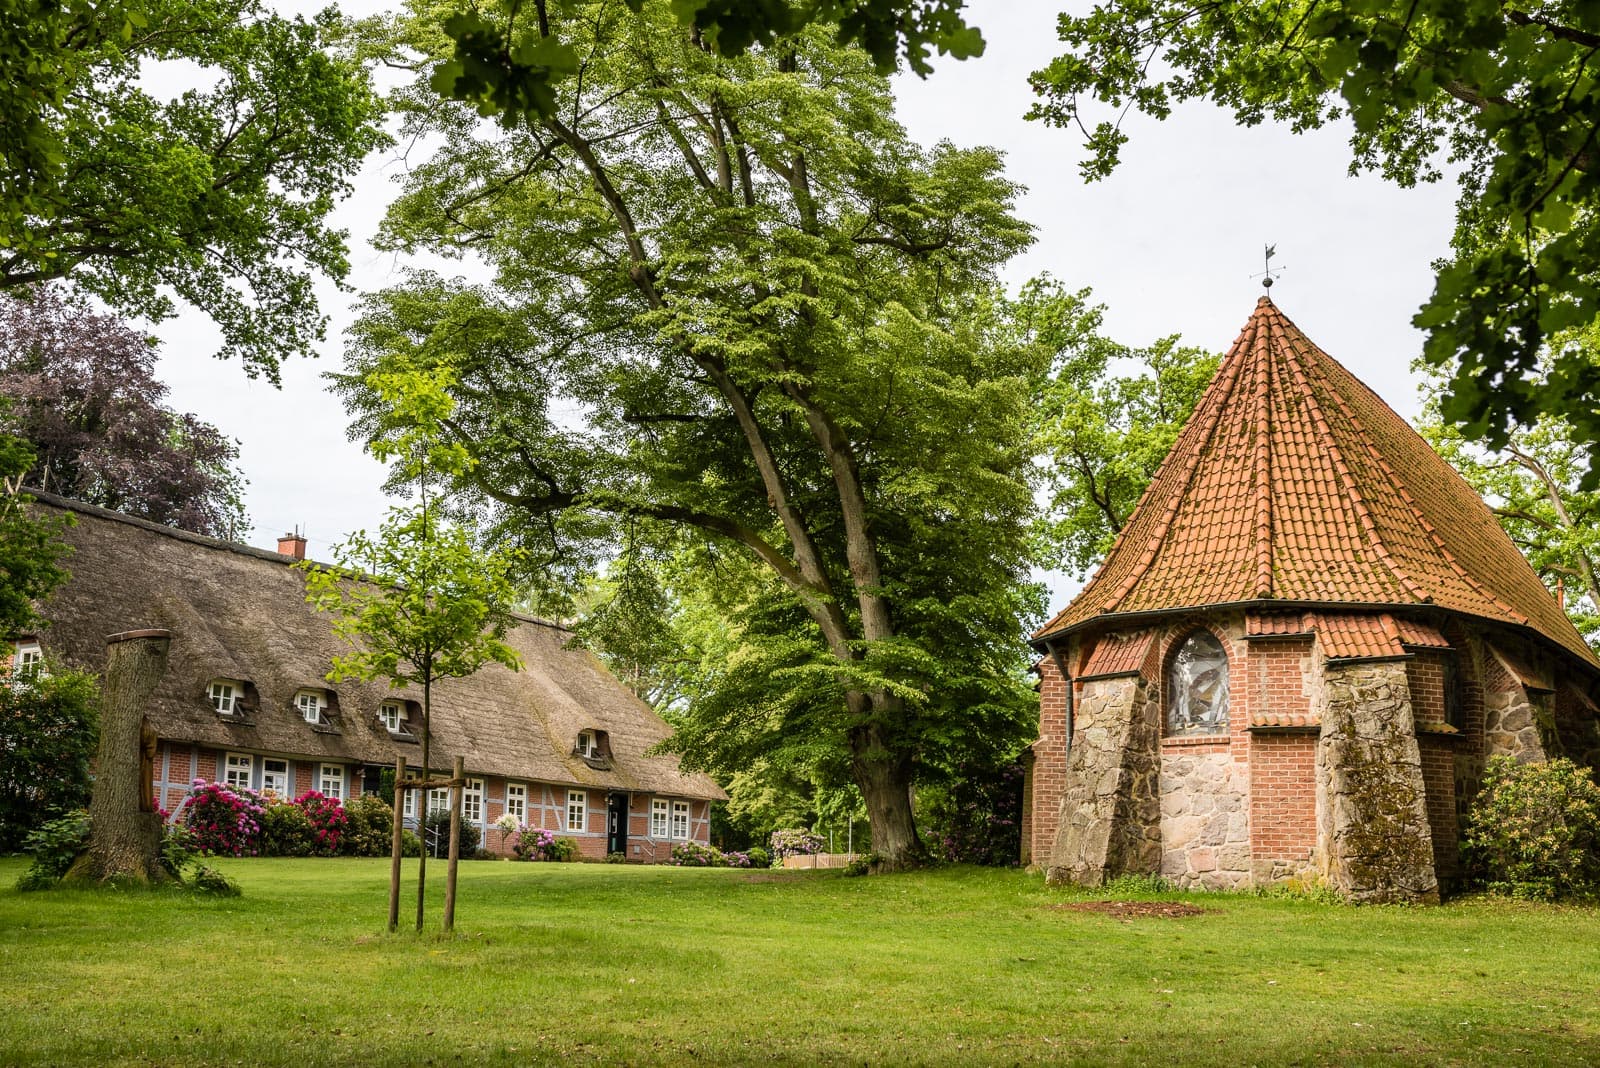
(240, 614)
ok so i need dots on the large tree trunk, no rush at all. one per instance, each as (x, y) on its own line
(124, 832)
(885, 781)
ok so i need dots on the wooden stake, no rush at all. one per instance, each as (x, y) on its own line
(397, 837)
(455, 846)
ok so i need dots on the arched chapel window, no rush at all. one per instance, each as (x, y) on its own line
(1197, 687)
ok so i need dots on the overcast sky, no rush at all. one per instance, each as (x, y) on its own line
(1169, 245)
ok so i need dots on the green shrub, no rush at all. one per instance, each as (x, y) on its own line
(286, 831)
(208, 880)
(179, 848)
(410, 844)
(437, 832)
(616, 858)
(1534, 830)
(861, 864)
(48, 725)
(759, 858)
(54, 846)
(695, 855)
(369, 828)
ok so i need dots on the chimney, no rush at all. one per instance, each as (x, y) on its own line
(293, 545)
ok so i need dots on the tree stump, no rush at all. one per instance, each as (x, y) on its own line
(124, 831)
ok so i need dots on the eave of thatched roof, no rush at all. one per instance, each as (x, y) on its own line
(240, 613)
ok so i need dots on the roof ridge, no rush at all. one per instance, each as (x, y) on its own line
(1263, 463)
(1336, 456)
(1218, 392)
(1410, 501)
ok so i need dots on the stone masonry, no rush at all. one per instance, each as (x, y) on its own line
(1205, 821)
(1376, 841)
(1110, 812)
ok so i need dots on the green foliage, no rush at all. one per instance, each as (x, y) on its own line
(179, 849)
(726, 306)
(616, 858)
(31, 549)
(759, 857)
(208, 880)
(410, 844)
(436, 832)
(513, 73)
(1534, 830)
(976, 818)
(217, 195)
(1106, 417)
(861, 864)
(286, 831)
(537, 843)
(1137, 886)
(369, 827)
(1507, 92)
(49, 724)
(54, 845)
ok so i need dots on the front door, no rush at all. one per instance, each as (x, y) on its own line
(617, 823)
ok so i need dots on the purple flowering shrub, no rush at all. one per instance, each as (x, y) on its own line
(794, 842)
(695, 855)
(225, 820)
(537, 843)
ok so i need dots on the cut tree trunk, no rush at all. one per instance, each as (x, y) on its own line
(124, 829)
(885, 781)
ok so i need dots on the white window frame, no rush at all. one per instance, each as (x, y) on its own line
(660, 818)
(318, 704)
(578, 811)
(224, 697)
(233, 764)
(588, 744)
(27, 662)
(408, 807)
(680, 820)
(517, 801)
(395, 722)
(472, 801)
(275, 780)
(439, 800)
(335, 780)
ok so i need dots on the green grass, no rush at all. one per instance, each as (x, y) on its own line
(613, 964)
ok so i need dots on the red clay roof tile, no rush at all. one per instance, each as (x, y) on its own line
(1118, 654)
(1292, 481)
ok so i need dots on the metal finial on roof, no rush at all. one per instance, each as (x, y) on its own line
(1269, 275)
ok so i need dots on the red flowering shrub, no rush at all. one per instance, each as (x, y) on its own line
(225, 820)
(328, 821)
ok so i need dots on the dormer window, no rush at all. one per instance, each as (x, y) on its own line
(225, 697)
(589, 744)
(393, 715)
(311, 704)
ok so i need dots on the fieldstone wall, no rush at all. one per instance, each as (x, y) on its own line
(1511, 719)
(1205, 822)
(1110, 820)
(1375, 841)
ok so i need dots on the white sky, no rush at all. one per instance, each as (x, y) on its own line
(1169, 244)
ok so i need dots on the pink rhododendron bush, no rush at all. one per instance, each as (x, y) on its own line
(236, 822)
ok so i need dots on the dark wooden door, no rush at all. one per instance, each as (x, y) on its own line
(617, 824)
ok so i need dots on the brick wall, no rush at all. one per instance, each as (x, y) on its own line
(1439, 781)
(1283, 803)
(1425, 674)
(1048, 775)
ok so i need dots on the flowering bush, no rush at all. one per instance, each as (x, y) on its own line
(1534, 830)
(695, 855)
(286, 831)
(225, 820)
(794, 842)
(536, 843)
(507, 823)
(328, 821)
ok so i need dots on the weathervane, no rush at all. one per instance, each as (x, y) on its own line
(1269, 275)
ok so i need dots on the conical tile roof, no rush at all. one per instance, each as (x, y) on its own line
(1293, 482)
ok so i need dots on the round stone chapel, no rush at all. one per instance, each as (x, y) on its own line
(1298, 655)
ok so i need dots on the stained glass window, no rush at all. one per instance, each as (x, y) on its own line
(1197, 687)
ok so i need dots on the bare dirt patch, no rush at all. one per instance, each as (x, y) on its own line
(1132, 910)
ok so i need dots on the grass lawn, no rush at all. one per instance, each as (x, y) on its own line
(615, 964)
